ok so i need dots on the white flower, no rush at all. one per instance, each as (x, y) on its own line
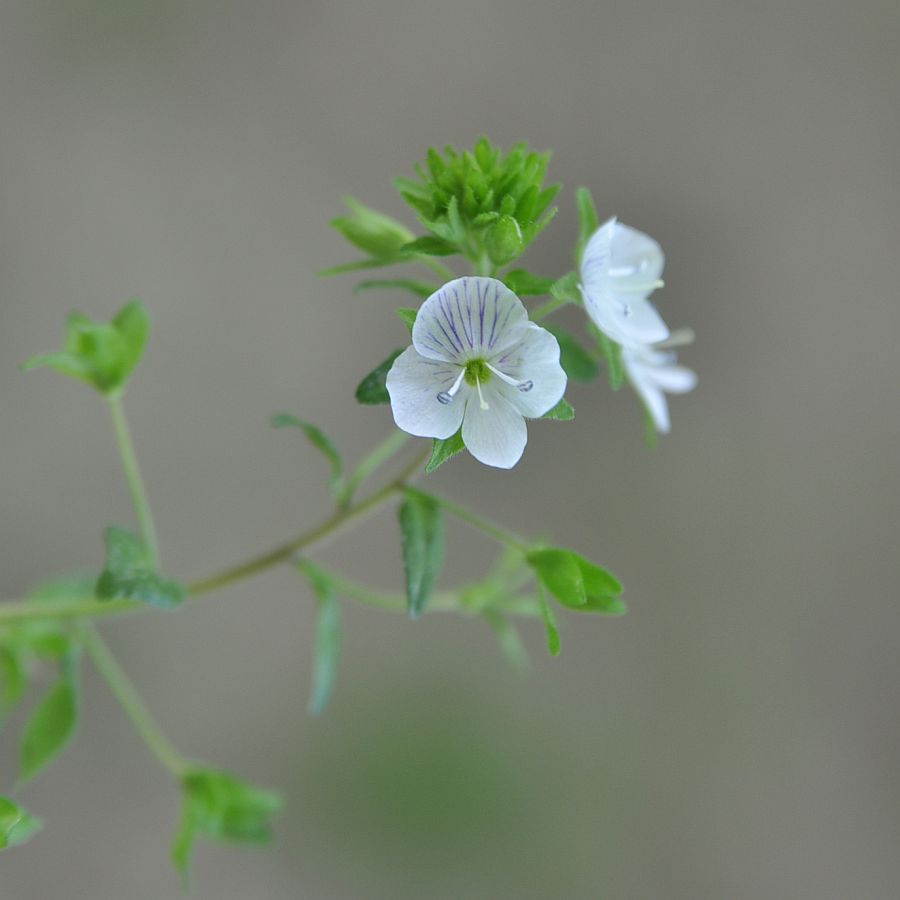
(620, 268)
(478, 362)
(653, 373)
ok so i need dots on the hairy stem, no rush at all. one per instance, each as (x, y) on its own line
(124, 691)
(133, 476)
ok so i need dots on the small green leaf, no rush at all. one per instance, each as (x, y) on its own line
(321, 442)
(74, 586)
(443, 449)
(407, 317)
(49, 727)
(420, 289)
(575, 582)
(587, 219)
(371, 231)
(102, 355)
(16, 824)
(220, 807)
(553, 642)
(577, 363)
(562, 412)
(13, 679)
(430, 246)
(328, 637)
(524, 284)
(566, 288)
(508, 640)
(372, 390)
(422, 535)
(130, 575)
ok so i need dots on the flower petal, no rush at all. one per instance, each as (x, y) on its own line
(595, 260)
(495, 436)
(468, 318)
(413, 384)
(626, 318)
(636, 258)
(534, 359)
(653, 397)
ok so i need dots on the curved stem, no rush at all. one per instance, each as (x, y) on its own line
(124, 691)
(133, 476)
(372, 461)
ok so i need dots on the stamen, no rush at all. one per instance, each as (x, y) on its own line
(446, 396)
(523, 386)
(644, 288)
(481, 399)
(680, 338)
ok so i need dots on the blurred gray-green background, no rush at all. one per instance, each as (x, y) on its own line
(736, 735)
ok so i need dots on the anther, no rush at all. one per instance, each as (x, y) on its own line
(446, 396)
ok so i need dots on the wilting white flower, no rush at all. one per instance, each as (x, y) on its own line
(653, 373)
(478, 362)
(620, 268)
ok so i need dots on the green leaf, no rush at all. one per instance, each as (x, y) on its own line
(73, 586)
(429, 245)
(321, 442)
(220, 807)
(13, 679)
(49, 727)
(129, 574)
(553, 642)
(508, 640)
(577, 363)
(587, 219)
(328, 637)
(17, 825)
(102, 355)
(407, 316)
(422, 535)
(371, 231)
(575, 582)
(562, 412)
(372, 390)
(442, 449)
(420, 289)
(524, 284)
(359, 264)
(566, 288)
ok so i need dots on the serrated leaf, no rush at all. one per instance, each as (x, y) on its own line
(372, 390)
(422, 537)
(443, 449)
(17, 825)
(49, 727)
(429, 245)
(575, 582)
(577, 363)
(321, 442)
(221, 807)
(524, 284)
(420, 289)
(328, 637)
(562, 412)
(100, 354)
(130, 575)
(407, 317)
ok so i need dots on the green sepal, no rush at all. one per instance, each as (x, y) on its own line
(372, 390)
(17, 825)
(587, 220)
(407, 317)
(562, 412)
(102, 355)
(328, 637)
(444, 448)
(422, 538)
(50, 725)
(575, 582)
(577, 363)
(524, 284)
(220, 807)
(430, 245)
(503, 240)
(322, 443)
(129, 573)
(420, 289)
(566, 289)
(372, 232)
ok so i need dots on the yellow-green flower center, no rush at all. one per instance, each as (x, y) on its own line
(477, 371)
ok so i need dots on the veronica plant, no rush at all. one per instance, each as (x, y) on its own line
(479, 365)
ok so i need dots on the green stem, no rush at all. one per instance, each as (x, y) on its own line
(483, 525)
(124, 691)
(133, 476)
(547, 308)
(372, 461)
